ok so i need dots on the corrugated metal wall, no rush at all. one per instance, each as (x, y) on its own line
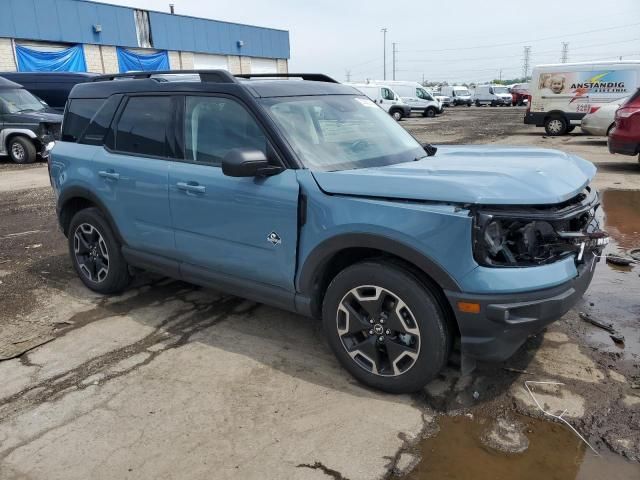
(175, 32)
(72, 21)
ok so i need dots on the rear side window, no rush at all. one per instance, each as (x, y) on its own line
(144, 126)
(79, 113)
(100, 123)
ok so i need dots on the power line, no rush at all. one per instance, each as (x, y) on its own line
(529, 41)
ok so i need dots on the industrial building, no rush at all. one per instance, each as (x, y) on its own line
(80, 35)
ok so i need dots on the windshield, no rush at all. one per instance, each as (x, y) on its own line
(462, 93)
(19, 100)
(341, 132)
(500, 90)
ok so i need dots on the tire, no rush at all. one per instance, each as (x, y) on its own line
(409, 351)
(21, 150)
(477, 103)
(430, 112)
(493, 103)
(397, 115)
(95, 253)
(610, 128)
(468, 104)
(555, 125)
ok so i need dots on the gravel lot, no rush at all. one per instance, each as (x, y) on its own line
(173, 381)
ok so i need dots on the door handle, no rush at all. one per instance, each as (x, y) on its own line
(110, 174)
(191, 187)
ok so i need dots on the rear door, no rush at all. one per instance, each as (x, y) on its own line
(243, 228)
(132, 172)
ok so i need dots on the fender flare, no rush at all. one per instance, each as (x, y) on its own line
(70, 193)
(320, 256)
(7, 132)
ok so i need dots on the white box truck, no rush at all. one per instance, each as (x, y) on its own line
(563, 93)
(415, 95)
(385, 97)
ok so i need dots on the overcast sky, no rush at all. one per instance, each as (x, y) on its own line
(465, 40)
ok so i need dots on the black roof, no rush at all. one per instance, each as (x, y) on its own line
(221, 81)
(4, 83)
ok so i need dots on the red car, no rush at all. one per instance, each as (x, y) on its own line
(624, 138)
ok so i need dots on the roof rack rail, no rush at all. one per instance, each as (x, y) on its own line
(316, 77)
(211, 76)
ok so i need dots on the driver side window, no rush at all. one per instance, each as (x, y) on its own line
(387, 94)
(215, 125)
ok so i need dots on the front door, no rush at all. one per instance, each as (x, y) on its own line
(245, 228)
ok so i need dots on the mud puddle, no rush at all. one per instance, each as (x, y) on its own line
(614, 294)
(554, 452)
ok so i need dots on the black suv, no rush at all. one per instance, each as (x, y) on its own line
(26, 127)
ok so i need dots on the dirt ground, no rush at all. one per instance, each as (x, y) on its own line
(173, 381)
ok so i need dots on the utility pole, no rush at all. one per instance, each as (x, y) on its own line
(348, 75)
(423, 79)
(525, 62)
(384, 52)
(394, 60)
(565, 52)
(500, 75)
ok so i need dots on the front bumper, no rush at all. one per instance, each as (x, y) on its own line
(506, 320)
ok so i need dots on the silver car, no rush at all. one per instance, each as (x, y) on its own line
(599, 121)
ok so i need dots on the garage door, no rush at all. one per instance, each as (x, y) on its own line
(263, 65)
(210, 62)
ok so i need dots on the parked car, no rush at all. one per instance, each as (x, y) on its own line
(562, 94)
(459, 95)
(305, 195)
(494, 95)
(444, 100)
(624, 138)
(52, 87)
(600, 119)
(26, 128)
(386, 98)
(519, 94)
(414, 95)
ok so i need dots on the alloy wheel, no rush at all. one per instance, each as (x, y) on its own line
(378, 330)
(555, 126)
(91, 252)
(17, 150)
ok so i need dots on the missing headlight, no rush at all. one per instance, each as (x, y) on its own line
(514, 241)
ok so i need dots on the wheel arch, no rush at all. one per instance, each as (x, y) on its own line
(333, 255)
(7, 134)
(75, 199)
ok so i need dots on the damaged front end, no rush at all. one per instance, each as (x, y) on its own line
(538, 235)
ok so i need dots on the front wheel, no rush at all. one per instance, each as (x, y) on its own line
(21, 150)
(430, 112)
(385, 326)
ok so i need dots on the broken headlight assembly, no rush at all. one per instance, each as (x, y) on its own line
(537, 236)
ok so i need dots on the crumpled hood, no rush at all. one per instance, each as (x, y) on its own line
(471, 175)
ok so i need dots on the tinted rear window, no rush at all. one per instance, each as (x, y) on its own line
(143, 126)
(77, 118)
(100, 123)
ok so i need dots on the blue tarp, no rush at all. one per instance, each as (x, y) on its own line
(69, 60)
(129, 61)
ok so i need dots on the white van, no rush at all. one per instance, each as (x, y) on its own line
(386, 98)
(493, 95)
(415, 95)
(562, 94)
(459, 94)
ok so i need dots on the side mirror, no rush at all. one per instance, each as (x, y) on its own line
(248, 162)
(429, 149)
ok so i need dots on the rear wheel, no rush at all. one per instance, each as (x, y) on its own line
(385, 326)
(430, 112)
(21, 150)
(95, 253)
(555, 125)
(477, 103)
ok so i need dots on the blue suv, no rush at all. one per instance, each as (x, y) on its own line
(303, 194)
